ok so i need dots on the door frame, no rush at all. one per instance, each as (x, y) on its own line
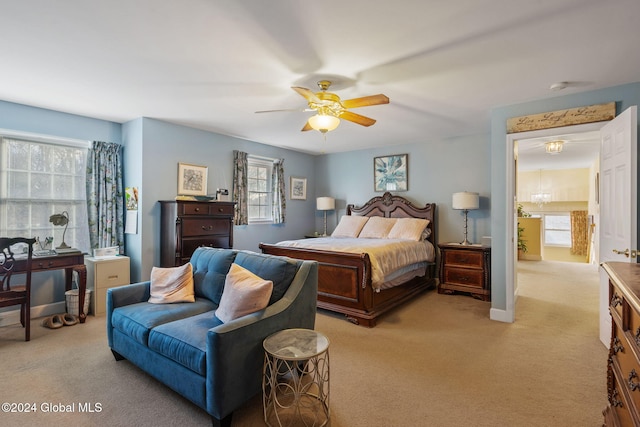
(510, 236)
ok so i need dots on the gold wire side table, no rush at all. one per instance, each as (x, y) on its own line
(295, 384)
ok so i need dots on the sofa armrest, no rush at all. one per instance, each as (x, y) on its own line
(235, 355)
(122, 296)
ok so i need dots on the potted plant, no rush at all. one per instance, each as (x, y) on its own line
(522, 244)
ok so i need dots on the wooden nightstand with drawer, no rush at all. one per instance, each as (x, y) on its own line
(465, 268)
(102, 274)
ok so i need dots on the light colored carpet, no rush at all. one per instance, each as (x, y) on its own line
(437, 361)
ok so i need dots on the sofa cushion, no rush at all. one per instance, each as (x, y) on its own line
(280, 270)
(185, 340)
(136, 320)
(171, 285)
(210, 268)
(244, 293)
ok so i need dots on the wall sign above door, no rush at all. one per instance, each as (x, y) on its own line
(560, 118)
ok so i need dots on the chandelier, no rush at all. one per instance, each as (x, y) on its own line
(540, 197)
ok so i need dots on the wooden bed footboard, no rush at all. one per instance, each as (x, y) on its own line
(344, 284)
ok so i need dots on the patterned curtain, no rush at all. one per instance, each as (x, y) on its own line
(240, 183)
(105, 195)
(579, 233)
(279, 205)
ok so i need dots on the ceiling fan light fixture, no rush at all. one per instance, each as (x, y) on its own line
(323, 122)
(553, 147)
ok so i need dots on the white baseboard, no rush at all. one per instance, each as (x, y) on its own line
(501, 315)
(12, 317)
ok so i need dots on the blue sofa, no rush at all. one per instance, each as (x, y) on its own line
(218, 366)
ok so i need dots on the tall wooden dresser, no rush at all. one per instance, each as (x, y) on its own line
(187, 225)
(623, 368)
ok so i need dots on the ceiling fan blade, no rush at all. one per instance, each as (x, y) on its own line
(366, 101)
(306, 127)
(356, 118)
(288, 109)
(306, 93)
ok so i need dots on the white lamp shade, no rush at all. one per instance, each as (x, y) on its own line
(323, 123)
(466, 200)
(325, 203)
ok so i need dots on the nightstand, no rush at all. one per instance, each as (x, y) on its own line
(465, 268)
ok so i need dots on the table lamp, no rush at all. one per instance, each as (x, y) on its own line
(325, 204)
(61, 219)
(465, 201)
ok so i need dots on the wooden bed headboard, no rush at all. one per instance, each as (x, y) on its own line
(389, 206)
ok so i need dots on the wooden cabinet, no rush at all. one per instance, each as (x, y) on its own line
(623, 369)
(187, 225)
(102, 274)
(465, 269)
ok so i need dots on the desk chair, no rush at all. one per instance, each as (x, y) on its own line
(12, 294)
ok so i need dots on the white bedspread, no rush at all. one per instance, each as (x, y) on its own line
(386, 255)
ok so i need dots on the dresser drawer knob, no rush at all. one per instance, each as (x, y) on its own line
(633, 386)
(220, 210)
(204, 227)
(197, 209)
(616, 300)
(617, 345)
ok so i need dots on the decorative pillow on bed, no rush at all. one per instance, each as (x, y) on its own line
(349, 226)
(173, 284)
(408, 228)
(244, 293)
(377, 227)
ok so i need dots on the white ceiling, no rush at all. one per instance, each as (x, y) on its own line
(210, 64)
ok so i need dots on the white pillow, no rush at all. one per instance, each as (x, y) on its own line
(408, 228)
(349, 226)
(243, 293)
(173, 284)
(377, 227)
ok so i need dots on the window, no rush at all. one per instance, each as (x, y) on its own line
(259, 190)
(39, 178)
(557, 229)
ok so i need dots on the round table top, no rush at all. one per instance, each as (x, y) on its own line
(296, 344)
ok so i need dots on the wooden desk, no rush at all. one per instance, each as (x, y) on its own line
(68, 262)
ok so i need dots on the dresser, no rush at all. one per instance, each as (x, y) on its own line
(465, 268)
(187, 225)
(623, 367)
(102, 274)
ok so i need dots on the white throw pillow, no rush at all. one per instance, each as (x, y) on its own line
(173, 284)
(377, 227)
(349, 226)
(408, 228)
(243, 293)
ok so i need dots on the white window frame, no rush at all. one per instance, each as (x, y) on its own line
(545, 228)
(77, 234)
(256, 161)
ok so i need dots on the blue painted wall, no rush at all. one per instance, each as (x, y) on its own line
(436, 170)
(624, 96)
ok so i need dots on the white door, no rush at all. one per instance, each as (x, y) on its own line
(618, 216)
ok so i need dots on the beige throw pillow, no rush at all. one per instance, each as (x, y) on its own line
(408, 228)
(173, 284)
(377, 227)
(243, 293)
(349, 226)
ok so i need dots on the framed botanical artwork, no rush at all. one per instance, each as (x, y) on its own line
(390, 173)
(192, 180)
(298, 188)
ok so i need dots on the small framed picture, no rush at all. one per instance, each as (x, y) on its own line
(390, 173)
(192, 180)
(298, 188)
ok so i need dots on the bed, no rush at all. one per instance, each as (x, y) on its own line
(345, 279)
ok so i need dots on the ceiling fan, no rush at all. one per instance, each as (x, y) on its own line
(330, 109)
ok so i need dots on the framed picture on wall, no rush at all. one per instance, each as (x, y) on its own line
(390, 173)
(298, 188)
(192, 180)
